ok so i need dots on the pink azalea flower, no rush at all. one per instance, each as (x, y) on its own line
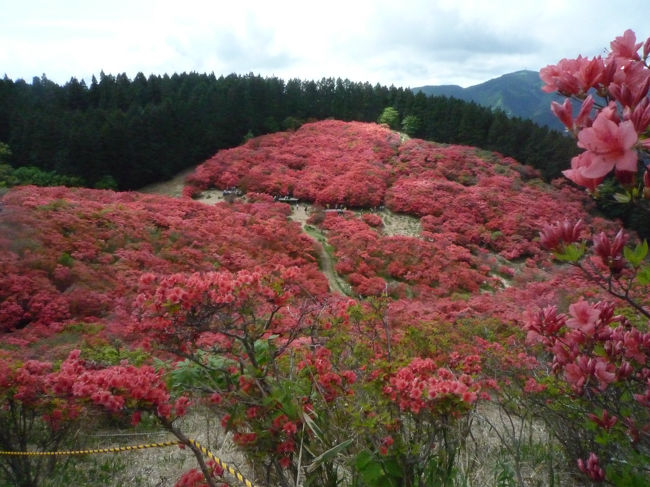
(609, 145)
(574, 76)
(625, 47)
(607, 421)
(556, 236)
(563, 112)
(561, 77)
(592, 468)
(584, 317)
(640, 116)
(611, 253)
(575, 174)
(575, 376)
(583, 119)
(605, 372)
(630, 84)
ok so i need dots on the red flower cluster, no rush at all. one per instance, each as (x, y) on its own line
(422, 386)
(574, 339)
(592, 468)
(30, 385)
(116, 388)
(331, 383)
(489, 209)
(613, 137)
(195, 478)
(556, 236)
(428, 266)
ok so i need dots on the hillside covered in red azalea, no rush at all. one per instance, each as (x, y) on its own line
(70, 255)
(479, 211)
(327, 162)
(431, 317)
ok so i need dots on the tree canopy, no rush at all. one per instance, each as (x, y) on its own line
(147, 129)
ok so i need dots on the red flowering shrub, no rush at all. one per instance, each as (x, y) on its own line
(603, 360)
(195, 478)
(430, 267)
(123, 389)
(59, 273)
(372, 220)
(240, 334)
(422, 386)
(493, 212)
(32, 415)
(328, 162)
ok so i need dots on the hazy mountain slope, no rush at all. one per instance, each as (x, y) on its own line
(518, 94)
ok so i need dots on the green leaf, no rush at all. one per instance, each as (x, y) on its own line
(362, 459)
(218, 362)
(622, 197)
(571, 253)
(599, 350)
(392, 468)
(643, 276)
(369, 468)
(378, 472)
(636, 256)
(160, 364)
(323, 457)
(262, 354)
(185, 375)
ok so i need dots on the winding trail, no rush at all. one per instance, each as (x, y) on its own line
(394, 224)
(300, 213)
(327, 262)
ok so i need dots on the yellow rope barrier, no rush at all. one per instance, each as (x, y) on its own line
(232, 471)
(115, 449)
(222, 464)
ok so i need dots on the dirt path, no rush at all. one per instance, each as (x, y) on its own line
(337, 283)
(173, 187)
(300, 213)
(398, 224)
(394, 224)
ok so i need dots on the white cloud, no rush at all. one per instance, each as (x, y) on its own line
(403, 43)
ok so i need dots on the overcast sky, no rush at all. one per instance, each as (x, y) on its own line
(400, 42)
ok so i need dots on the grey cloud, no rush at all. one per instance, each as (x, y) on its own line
(240, 54)
(439, 34)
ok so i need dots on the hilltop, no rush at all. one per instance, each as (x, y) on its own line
(121, 133)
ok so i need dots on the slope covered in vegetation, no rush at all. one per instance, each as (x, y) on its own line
(145, 307)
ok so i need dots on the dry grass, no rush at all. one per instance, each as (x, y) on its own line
(507, 450)
(155, 467)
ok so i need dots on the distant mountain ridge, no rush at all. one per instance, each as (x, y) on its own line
(518, 94)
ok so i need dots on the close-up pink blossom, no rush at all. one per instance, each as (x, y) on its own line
(609, 145)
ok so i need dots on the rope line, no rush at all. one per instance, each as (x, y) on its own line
(232, 471)
(117, 449)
